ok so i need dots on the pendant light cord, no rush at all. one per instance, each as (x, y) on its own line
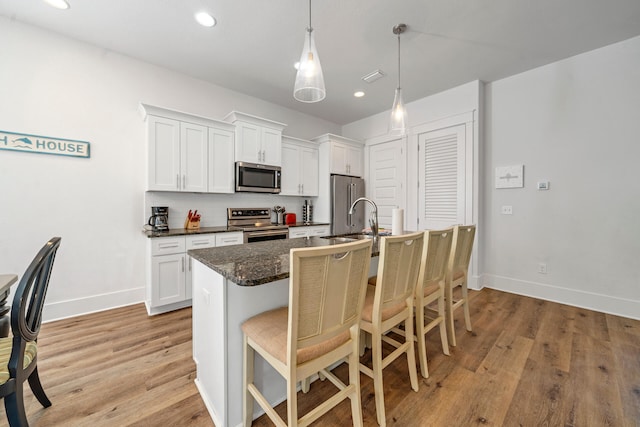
(398, 59)
(310, 28)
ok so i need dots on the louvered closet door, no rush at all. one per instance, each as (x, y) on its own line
(441, 175)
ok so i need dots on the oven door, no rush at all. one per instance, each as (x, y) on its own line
(262, 235)
(257, 178)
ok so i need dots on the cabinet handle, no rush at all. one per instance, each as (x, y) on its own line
(201, 242)
(183, 264)
(166, 246)
(189, 263)
(184, 181)
(302, 188)
(178, 181)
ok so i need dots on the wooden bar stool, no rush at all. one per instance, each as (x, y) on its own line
(457, 271)
(320, 327)
(430, 288)
(389, 304)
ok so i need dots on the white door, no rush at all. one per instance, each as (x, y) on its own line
(442, 177)
(387, 178)
(193, 158)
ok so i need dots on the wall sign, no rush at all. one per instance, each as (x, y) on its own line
(43, 144)
(510, 176)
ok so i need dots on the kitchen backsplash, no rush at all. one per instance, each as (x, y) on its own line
(213, 207)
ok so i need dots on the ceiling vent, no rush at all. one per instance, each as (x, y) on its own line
(373, 76)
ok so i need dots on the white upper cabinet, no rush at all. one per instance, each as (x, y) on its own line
(346, 156)
(299, 167)
(258, 140)
(188, 153)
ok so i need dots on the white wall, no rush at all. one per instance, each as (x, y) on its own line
(54, 86)
(574, 123)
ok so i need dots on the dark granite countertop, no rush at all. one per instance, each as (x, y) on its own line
(252, 264)
(312, 224)
(184, 232)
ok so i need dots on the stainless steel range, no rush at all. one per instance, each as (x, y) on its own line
(256, 224)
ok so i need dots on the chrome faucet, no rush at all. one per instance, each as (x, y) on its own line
(373, 217)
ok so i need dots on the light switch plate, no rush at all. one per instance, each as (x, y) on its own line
(543, 185)
(507, 210)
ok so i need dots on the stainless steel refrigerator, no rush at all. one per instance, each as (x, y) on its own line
(344, 190)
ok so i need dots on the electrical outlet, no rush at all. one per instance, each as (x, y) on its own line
(507, 210)
(542, 268)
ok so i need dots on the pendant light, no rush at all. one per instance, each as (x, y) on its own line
(309, 86)
(398, 121)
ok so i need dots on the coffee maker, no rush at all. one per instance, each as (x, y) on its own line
(159, 219)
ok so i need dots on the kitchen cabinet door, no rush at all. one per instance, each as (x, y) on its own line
(221, 165)
(290, 170)
(309, 171)
(163, 137)
(248, 144)
(271, 146)
(339, 158)
(193, 157)
(168, 278)
(355, 157)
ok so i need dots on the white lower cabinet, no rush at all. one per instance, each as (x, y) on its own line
(169, 278)
(309, 231)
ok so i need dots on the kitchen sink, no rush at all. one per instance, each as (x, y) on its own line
(348, 238)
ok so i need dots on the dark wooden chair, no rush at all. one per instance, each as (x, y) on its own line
(18, 353)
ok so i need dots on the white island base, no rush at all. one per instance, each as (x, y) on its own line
(219, 308)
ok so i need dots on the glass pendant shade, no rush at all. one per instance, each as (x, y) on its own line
(309, 86)
(398, 122)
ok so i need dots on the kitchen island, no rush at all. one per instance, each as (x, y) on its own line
(230, 285)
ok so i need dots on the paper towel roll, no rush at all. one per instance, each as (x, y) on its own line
(397, 221)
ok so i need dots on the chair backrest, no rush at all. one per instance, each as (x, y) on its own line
(461, 248)
(28, 301)
(398, 269)
(327, 287)
(435, 257)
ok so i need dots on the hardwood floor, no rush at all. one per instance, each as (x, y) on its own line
(527, 363)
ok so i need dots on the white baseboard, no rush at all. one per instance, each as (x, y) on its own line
(574, 297)
(76, 307)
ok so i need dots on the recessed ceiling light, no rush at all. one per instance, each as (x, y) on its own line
(205, 19)
(358, 94)
(58, 4)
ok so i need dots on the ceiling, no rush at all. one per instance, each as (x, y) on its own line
(253, 47)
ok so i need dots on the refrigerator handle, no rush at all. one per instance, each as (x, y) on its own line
(349, 200)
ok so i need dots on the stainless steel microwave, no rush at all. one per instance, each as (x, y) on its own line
(256, 178)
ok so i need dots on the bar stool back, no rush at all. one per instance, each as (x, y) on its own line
(320, 327)
(457, 272)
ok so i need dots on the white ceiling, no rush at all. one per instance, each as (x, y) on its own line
(256, 42)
